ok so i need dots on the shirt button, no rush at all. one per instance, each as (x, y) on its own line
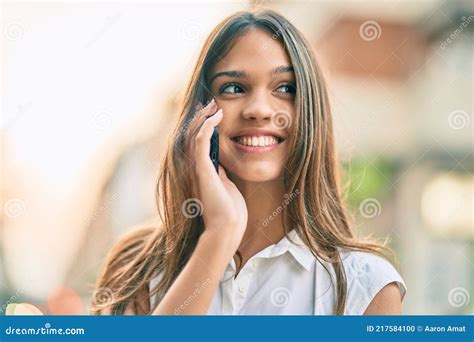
(241, 289)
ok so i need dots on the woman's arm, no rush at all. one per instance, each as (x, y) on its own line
(224, 214)
(194, 288)
(192, 291)
(387, 302)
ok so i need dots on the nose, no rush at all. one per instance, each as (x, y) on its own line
(258, 108)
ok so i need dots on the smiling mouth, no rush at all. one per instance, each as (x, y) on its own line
(258, 141)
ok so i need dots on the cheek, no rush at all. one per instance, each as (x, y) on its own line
(231, 110)
(230, 119)
(225, 127)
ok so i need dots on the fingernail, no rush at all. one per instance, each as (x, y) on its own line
(216, 113)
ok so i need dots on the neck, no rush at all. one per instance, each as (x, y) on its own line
(265, 221)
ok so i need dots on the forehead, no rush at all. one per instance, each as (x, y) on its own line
(256, 51)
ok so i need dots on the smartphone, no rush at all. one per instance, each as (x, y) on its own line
(214, 153)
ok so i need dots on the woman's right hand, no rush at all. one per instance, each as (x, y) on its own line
(222, 205)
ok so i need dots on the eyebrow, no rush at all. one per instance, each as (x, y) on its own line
(242, 74)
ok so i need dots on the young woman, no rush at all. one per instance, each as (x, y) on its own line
(268, 233)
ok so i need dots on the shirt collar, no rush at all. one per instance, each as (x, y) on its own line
(296, 247)
(300, 251)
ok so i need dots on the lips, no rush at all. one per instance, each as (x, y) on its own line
(257, 140)
(258, 137)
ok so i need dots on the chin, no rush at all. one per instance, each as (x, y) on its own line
(262, 172)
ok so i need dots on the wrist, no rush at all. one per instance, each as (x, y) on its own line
(220, 239)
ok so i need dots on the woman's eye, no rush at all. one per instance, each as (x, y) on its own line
(287, 88)
(231, 89)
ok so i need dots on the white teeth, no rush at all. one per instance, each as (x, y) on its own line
(260, 141)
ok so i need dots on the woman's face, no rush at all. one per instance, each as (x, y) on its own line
(255, 86)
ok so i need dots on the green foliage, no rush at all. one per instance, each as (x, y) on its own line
(368, 178)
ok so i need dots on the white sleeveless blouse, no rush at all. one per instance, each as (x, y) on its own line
(286, 279)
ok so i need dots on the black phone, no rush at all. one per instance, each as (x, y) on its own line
(214, 153)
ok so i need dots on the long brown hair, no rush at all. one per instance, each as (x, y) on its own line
(318, 214)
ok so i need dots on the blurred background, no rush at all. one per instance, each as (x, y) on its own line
(90, 93)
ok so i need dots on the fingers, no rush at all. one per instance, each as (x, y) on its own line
(198, 107)
(203, 137)
(223, 174)
(197, 144)
(195, 124)
(200, 116)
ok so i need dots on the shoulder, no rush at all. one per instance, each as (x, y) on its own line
(371, 281)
